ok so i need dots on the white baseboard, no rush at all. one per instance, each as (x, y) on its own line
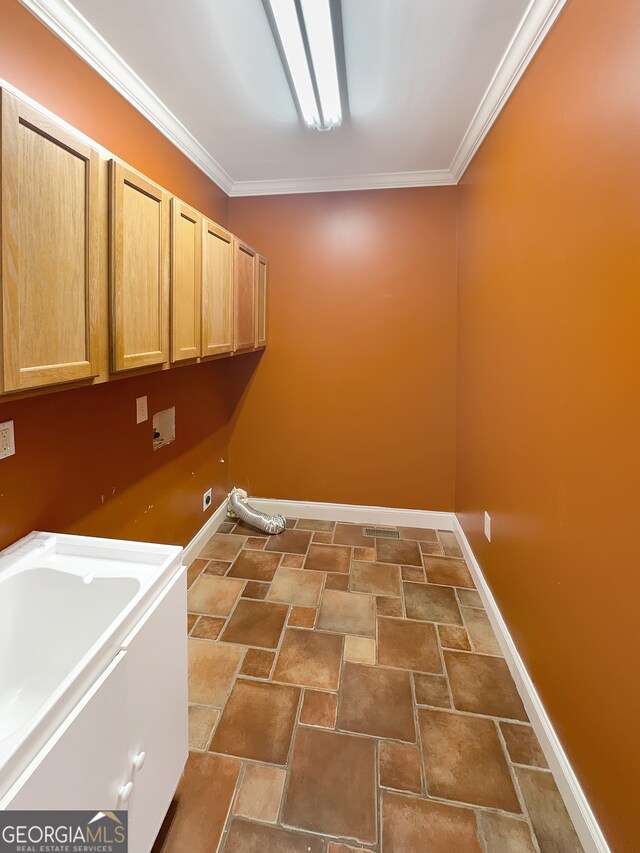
(205, 533)
(356, 514)
(577, 805)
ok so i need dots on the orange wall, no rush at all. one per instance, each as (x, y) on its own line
(549, 390)
(82, 463)
(354, 399)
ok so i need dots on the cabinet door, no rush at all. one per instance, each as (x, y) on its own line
(157, 711)
(261, 303)
(244, 293)
(186, 237)
(50, 251)
(84, 764)
(217, 289)
(139, 270)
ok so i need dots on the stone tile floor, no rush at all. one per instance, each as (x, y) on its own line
(348, 693)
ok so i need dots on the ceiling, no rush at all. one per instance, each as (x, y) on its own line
(425, 80)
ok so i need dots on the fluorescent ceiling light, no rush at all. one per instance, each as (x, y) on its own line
(286, 21)
(305, 32)
(317, 21)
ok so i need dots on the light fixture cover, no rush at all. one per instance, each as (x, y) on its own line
(286, 21)
(305, 32)
(317, 21)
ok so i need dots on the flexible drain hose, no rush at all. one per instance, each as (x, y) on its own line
(238, 505)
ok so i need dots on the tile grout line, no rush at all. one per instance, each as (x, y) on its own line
(480, 831)
(518, 790)
(416, 722)
(287, 766)
(472, 642)
(377, 794)
(445, 672)
(466, 806)
(229, 819)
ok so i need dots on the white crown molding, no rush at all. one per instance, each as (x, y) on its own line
(67, 23)
(380, 181)
(536, 23)
(75, 31)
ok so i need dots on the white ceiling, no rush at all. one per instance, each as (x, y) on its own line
(418, 72)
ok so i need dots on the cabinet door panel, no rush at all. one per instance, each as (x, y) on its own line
(261, 303)
(217, 289)
(139, 270)
(186, 236)
(157, 710)
(50, 251)
(84, 764)
(244, 297)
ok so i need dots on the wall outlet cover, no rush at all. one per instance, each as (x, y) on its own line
(142, 413)
(7, 440)
(487, 526)
(206, 500)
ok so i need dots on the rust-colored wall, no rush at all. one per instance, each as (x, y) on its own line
(354, 399)
(549, 391)
(82, 464)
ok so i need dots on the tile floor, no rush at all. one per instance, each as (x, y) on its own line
(347, 693)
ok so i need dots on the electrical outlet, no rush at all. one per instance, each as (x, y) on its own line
(7, 440)
(142, 413)
(206, 500)
(487, 526)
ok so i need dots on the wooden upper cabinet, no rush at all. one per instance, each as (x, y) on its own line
(50, 251)
(244, 296)
(261, 303)
(186, 271)
(139, 274)
(217, 289)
